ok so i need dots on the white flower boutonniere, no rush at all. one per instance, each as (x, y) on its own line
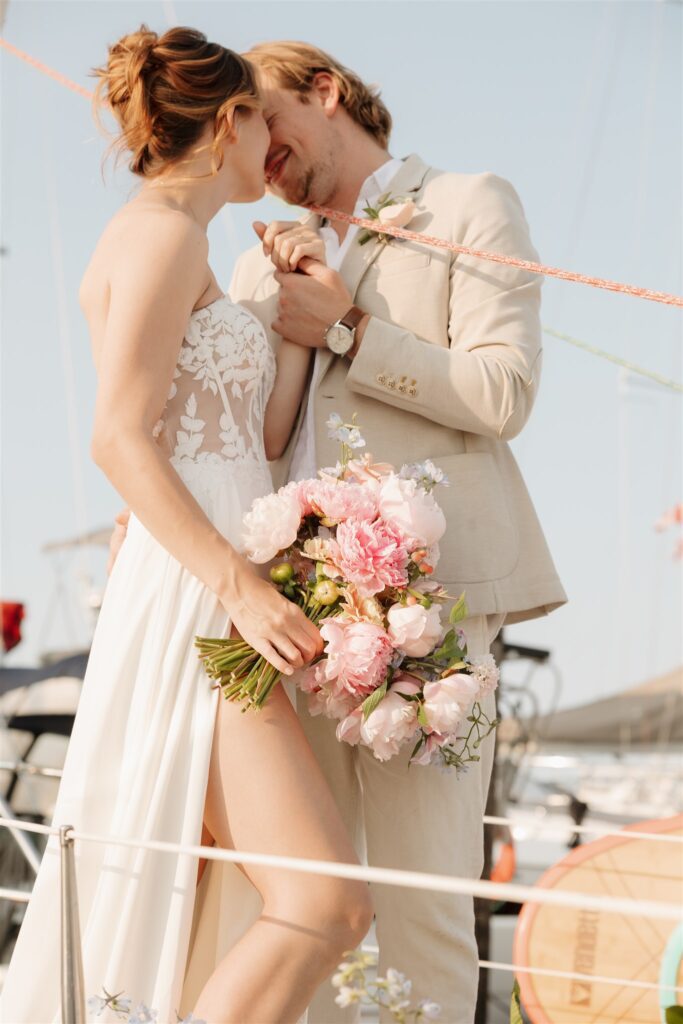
(394, 211)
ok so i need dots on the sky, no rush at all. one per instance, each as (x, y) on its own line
(577, 104)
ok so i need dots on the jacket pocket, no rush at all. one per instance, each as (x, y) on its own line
(481, 541)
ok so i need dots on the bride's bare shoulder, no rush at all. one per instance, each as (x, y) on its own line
(144, 222)
(137, 231)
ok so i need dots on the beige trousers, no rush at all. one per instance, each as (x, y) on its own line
(421, 819)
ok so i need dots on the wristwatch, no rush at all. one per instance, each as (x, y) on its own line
(340, 336)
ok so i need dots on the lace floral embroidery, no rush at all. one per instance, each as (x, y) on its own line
(222, 381)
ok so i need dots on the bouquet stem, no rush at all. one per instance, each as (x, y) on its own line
(242, 673)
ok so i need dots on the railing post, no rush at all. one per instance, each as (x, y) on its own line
(73, 996)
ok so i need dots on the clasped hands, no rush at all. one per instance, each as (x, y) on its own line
(312, 295)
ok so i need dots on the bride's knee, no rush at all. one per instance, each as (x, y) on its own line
(340, 913)
(358, 915)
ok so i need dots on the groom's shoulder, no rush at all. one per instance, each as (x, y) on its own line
(251, 267)
(253, 259)
(480, 206)
(468, 187)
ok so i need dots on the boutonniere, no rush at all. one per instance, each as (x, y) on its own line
(394, 211)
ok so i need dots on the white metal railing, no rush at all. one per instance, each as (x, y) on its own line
(72, 993)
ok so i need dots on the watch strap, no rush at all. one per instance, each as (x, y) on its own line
(352, 318)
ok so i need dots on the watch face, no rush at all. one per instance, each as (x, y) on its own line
(339, 339)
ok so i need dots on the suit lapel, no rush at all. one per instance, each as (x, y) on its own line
(359, 258)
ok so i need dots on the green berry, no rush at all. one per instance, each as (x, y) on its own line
(326, 592)
(282, 573)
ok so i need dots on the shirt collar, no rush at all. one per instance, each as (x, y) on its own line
(372, 188)
(377, 182)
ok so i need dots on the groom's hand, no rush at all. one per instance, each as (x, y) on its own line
(309, 301)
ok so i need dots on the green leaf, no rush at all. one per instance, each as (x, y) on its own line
(459, 610)
(422, 739)
(450, 651)
(673, 1015)
(515, 1006)
(422, 716)
(375, 698)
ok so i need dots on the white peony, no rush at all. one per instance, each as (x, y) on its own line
(271, 525)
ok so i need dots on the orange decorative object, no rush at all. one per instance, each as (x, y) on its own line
(506, 865)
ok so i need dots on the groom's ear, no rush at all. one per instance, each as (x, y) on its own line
(327, 88)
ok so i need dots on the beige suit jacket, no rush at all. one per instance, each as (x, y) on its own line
(448, 370)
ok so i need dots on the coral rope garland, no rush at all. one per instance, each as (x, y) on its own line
(497, 257)
(414, 236)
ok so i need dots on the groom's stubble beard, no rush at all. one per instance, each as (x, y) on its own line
(318, 181)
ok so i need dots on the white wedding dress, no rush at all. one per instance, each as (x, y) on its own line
(137, 762)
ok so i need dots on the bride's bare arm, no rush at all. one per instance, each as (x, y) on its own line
(157, 275)
(293, 363)
(287, 243)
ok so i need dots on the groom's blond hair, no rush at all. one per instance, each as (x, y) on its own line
(294, 65)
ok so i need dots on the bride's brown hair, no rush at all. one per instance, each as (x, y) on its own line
(163, 90)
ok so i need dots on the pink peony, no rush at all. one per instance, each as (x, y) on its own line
(387, 728)
(412, 510)
(271, 525)
(335, 500)
(331, 703)
(429, 751)
(348, 730)
(357, 655)
(446, 702)
(371, 555)
(414, 629)
(365, 471)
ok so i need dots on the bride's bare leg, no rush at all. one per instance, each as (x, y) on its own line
(266, 793)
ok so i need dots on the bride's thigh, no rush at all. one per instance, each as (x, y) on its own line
(266, 794)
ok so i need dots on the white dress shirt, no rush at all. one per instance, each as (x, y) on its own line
(304, 462)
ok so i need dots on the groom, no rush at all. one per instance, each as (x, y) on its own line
(439, 356)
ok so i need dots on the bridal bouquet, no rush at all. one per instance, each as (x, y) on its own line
(357, 549)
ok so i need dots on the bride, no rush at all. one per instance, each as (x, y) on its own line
(187, 391)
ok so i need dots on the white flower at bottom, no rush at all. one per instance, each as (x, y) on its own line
(96, 1004)
(398, 985)
(143, 1014)
(347, 995)
(429, 1009)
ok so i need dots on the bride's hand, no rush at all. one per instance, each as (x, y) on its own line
(288, 241)
(274, 626)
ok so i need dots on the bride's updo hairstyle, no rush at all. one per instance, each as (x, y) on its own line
(164, 90)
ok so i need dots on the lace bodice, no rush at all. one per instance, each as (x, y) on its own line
(213, 418)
